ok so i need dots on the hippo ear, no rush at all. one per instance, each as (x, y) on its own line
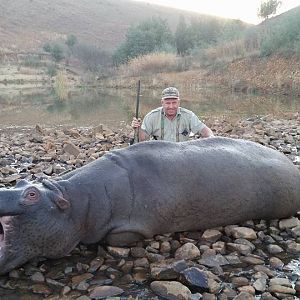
(62, 203)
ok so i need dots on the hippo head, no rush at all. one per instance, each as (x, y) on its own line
(34, 221)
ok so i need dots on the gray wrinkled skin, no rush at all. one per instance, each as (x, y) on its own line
(146, 189)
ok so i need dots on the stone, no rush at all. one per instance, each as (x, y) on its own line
(71, 149)
(187, 251)
(289, 223)
(280, 281)
(244, 296)
(244, 232)
(260, 284)
(293, 247)
(281, 289)
(211, 235)
(194, 277)
(170, 290)
(274, 249)
(276, 263)
(213, 261)
(118, 251)
(105, 291)
(167, 269)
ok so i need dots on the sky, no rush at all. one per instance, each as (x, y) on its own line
(244, 10)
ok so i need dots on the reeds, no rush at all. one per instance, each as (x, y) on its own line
(151, 64)
(61, 86)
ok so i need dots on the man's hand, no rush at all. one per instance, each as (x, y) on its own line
(136, 123)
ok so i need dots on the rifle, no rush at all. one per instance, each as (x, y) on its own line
(136, 131)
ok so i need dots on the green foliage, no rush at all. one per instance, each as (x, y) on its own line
(51, 70)
(268, 8)
(149, 36)
(92, 58)
(57, 52)
(33, 62)
(71, 41)
(183, 38)
(282, 37)
(47, 48)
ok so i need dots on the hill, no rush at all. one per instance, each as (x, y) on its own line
(25, 25)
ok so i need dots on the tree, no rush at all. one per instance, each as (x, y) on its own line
(148, 36)
(71, 41)
(268, 8)
(183, 38)
(57, 52)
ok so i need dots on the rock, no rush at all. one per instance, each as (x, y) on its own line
(141, 262)
(118, 251)
(71, 149)
(211, 235)
(260, 284)
(105, 291)
(214, 261)
(242, 249)
(281, 289)
(276, 263)
(244, 296)
(170, 290)
(274, 249)
(252, 260)
(167, 269)
(195, 278)
(239, 281)
(187, 251)
(288, 223)
(293, 247)
(280, 281)
(37, 277)
(79, 278)
(244, 232)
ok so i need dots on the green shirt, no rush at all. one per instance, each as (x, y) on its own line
(177, 129)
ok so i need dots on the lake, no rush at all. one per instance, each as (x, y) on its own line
(93, 106)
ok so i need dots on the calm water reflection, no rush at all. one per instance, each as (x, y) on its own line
(94, 106)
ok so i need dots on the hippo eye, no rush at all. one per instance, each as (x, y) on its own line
(31, 196)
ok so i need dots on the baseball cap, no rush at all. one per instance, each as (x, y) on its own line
(170, 92)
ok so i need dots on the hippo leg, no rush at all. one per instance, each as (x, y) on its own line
(123, 238)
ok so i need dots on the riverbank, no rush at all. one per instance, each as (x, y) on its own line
(276, 75)
(257, 258)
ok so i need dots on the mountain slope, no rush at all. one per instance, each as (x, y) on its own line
(26, 25)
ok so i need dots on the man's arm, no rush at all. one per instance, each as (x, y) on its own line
(206, 132)
(136, 125)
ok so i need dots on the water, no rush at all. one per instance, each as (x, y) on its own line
(89, 107)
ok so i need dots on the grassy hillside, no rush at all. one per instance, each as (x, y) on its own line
(26, 25)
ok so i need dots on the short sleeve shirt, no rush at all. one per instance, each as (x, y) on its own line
(184, 123)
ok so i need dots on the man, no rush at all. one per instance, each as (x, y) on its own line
(170, 122)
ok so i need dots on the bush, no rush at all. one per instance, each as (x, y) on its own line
(33, 62)
(93, 58)
(51, 70)
(57, 52)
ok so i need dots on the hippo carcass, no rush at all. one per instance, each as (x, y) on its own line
(146, 189)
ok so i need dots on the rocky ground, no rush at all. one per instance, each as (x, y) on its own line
(255, 260)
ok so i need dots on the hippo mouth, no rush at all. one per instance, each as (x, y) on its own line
(4, 230)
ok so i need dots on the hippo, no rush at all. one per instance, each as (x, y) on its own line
(150, 188)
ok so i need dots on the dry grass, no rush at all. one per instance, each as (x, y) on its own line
(153, 63)
(61, 86)
(229, 51)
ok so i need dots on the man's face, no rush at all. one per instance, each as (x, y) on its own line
(170, 106)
